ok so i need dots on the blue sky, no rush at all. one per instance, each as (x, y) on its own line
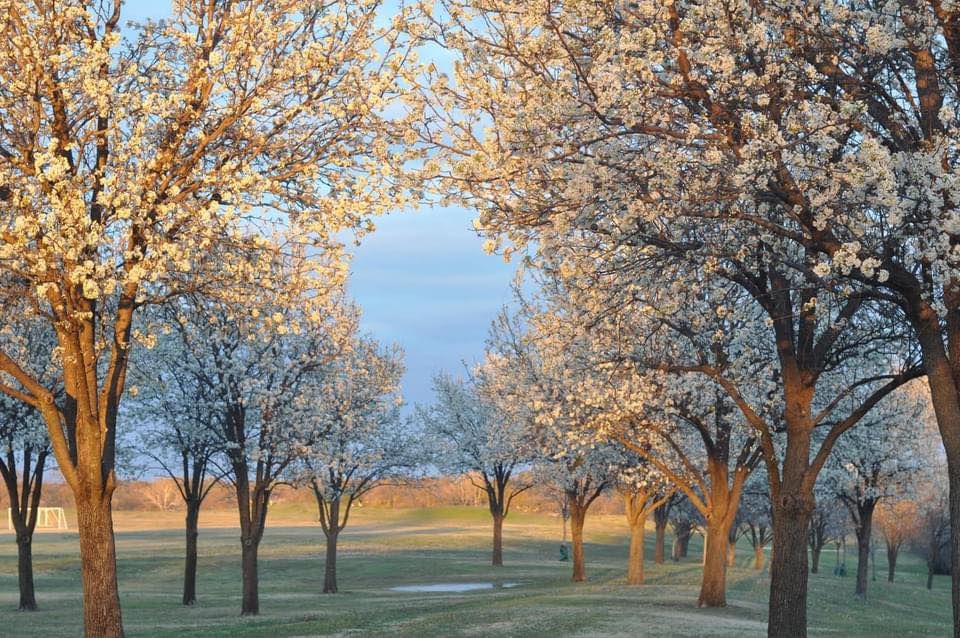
(424, 282)
(422, 279)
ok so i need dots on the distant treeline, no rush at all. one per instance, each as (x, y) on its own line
(160, 494)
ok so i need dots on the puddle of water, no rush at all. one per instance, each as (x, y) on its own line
(453, 587)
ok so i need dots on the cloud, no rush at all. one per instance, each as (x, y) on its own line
(424, 282)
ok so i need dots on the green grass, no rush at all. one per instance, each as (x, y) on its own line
(383, 548)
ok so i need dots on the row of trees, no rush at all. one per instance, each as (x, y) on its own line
(221, 393)
(221, 154)
(259, 403)
(262, 400)
(541, 402)
(256, 400)
(758, 196)
(754, 198)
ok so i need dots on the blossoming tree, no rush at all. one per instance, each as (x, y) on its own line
(467, 432)
(661, 518)
(898, 522)
(582, 474)
(25, 441)
(650, 393)
(614, 139)
(685, 521)
(264, 367)
(826, 132)
(876, 461)
(644, 491)
(542, 375)
(179, 417)
(360, 440)
(753, 518)
(27, 447)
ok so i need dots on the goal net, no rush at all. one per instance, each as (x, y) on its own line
(47, 518)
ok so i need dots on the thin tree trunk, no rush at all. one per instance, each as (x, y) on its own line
(892, 551)
(788, 567)
(953, 475)
(863, 563)
(28, 598)
(497, 540)
(635, 560)
(732, 543)
(815, 558)
(863, 549)
(191, 530)
(660, 523)
(250, 605)
(758, 557)
(577, 518)
(252, 505)
(23, 511)
(98, 566)
(330, 566)
(713, 586)
(681, 542)
(929, 577)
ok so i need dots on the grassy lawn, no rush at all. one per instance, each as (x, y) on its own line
(383, 548)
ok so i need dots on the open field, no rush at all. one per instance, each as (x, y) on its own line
(387, 548)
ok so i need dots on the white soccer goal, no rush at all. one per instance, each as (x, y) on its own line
(47, 518)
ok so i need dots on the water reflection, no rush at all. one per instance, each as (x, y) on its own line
(453, 587)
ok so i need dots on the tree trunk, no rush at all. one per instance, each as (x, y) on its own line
(191, 528)
(863, 549)
(635, 560)
(892, 551)
(953, 474)
(713, 586)
(661, 537)
(577, 517)
(930, 577)
(23, 501)
(252, 507)
(815, 558)
(681, 542)
(330, 566)
(945, 397)
(758, 557)
(98, 566)
(28, 598)
(732, 542)
(497, 540)
(250, 605)
(863, 562)
(788, 566)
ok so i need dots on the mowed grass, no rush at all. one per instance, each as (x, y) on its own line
(385, 548)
